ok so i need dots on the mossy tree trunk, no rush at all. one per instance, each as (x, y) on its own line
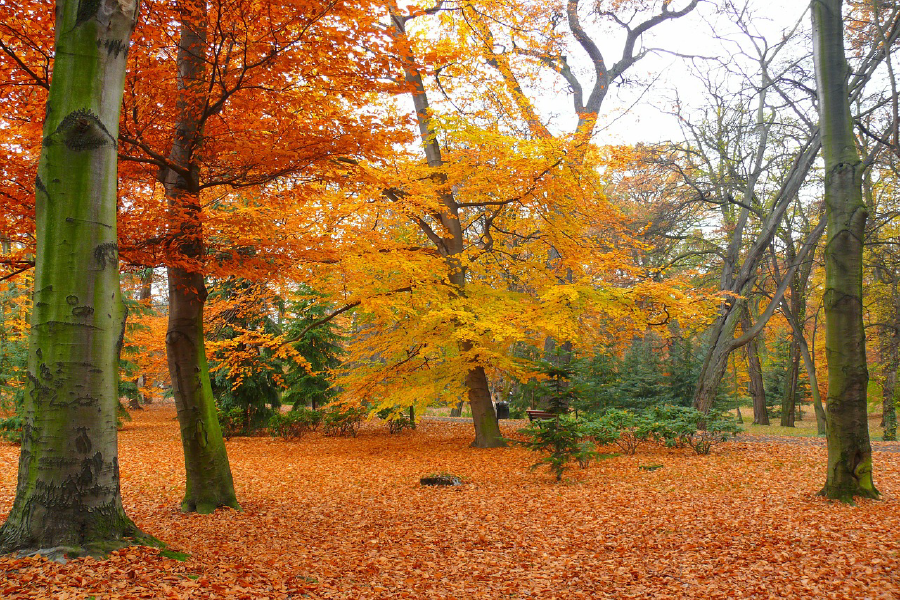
(849, 450)
(209, 483)
(67, 496)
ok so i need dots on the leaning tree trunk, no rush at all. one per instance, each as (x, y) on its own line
(67, 497)
(209, 483)
(849, 450)
(716, 362)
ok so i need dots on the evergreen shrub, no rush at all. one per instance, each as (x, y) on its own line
(294, 424)
(564, 440)
(341, 421)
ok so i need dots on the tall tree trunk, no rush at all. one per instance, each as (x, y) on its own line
(789, 398)
(754, 367)
(890, 361)
(143, 297)
(716, 362)
(810, 367)
(722, 341)
(67, 496)
(849, 450)
(209, 483)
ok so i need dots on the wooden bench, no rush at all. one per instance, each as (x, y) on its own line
(539, 415)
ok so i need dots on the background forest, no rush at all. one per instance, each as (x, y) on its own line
(342, 264)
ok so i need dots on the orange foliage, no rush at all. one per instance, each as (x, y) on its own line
(290, 87)
(347, 518)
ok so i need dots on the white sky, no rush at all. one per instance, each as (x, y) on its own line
(623, 121)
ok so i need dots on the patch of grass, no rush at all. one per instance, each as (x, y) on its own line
(179, 556)
(806, 428)
(801, 429)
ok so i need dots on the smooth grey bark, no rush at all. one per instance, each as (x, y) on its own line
(849, 471)
(67, 496)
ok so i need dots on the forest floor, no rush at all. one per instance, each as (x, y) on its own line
(347, 518)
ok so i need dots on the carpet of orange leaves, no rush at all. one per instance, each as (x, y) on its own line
(347, 518)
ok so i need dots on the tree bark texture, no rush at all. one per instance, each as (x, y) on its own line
(849, 471)
(890, 362)
(67, 497)
(209, 483)
(791, 387)
(754, 369)
(721, 334)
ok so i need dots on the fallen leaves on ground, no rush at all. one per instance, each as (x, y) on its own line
(347, 518)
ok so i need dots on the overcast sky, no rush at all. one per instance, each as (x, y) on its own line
(633, 113)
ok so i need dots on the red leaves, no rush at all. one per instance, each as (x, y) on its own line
(347, 518)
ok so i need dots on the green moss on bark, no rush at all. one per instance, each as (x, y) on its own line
(67, 495)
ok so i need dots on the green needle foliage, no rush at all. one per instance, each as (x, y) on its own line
(563, 439)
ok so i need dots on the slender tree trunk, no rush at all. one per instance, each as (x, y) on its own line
(810, 367)
(789, 398)
(144, 297)
(209, 482)
(849, 450)
(67, 496)
(754, 368)
(890, 360)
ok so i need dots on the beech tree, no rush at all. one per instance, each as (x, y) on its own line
(239, 140)
(497, 229)
(67, 496)
(849, 471)
(780, 89)
(209, 482)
